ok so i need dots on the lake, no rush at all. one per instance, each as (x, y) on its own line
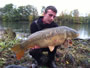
(23, 27)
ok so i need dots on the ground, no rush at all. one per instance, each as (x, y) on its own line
(77, 56)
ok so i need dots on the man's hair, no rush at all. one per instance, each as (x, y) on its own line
(51, 8)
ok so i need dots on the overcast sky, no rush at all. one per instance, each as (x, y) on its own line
(82, 5)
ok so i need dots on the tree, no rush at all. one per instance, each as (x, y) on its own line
(75, 14)
(42, 10)
(22, 13)
(26, 11)
(7, 8)
(64, 18)
(88, 18)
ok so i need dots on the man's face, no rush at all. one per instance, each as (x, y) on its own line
(49, 16)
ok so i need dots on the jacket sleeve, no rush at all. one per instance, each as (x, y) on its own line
(55, 25)
(33, 28)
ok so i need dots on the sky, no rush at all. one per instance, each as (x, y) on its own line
(83, 6)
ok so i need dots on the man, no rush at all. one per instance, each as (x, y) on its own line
(43, 22)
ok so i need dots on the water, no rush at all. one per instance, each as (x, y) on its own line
(17, 26)
(83, 29)
(23, 27)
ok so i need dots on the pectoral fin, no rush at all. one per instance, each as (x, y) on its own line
(51, 48)
(67, 43)
(70, 42)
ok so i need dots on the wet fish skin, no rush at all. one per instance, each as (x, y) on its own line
(50, 38)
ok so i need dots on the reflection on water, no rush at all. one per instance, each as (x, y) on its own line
(83, 29)
(17, 26)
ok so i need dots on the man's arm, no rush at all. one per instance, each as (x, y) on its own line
(33, 28)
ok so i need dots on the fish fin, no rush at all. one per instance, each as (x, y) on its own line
(18, 50)
(20, 54)
(51, 48)
(67, 43)
(70, 42)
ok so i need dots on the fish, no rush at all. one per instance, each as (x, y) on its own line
(49, 38)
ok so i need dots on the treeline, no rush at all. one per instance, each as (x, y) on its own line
(73, 17)
(10, 13)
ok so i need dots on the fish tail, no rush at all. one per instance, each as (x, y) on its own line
(18, 50)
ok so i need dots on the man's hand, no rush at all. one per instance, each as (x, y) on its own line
(36, 47)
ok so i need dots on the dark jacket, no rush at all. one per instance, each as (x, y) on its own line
(39, 25)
